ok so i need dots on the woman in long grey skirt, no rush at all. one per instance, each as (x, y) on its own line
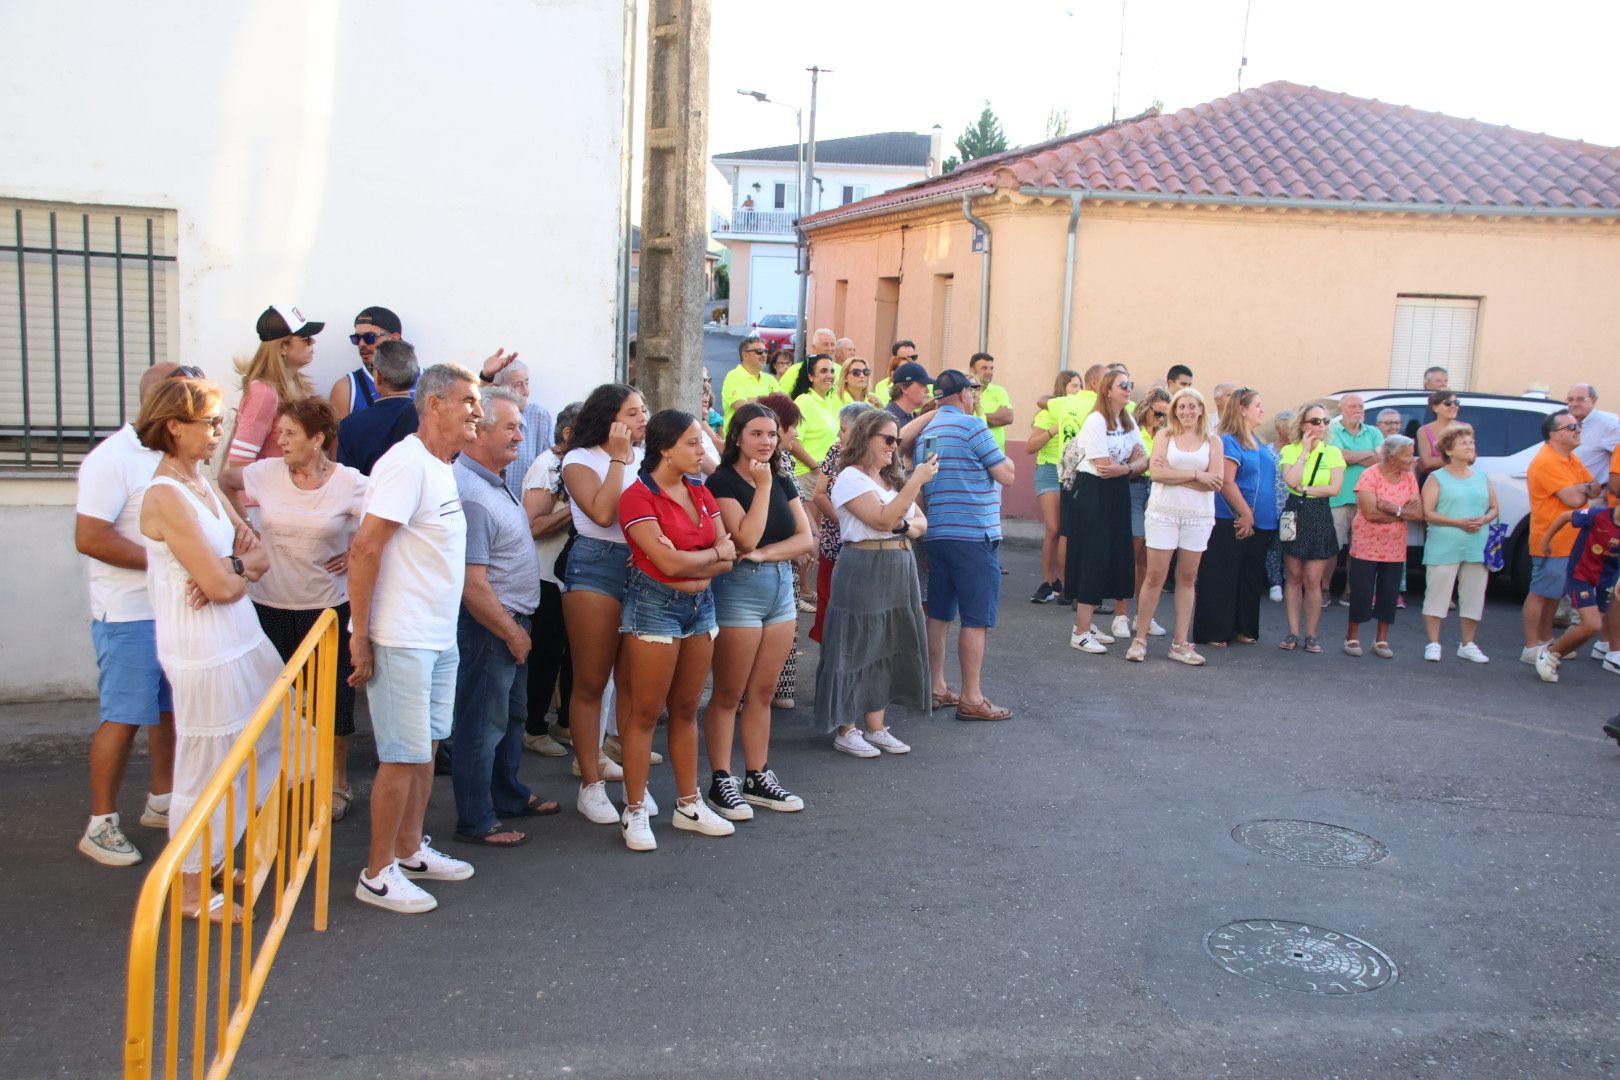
(874, 647)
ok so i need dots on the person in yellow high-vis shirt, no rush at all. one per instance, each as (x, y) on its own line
(748, 381)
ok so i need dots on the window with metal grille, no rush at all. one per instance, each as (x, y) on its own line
(87, 298)
(1433, 331)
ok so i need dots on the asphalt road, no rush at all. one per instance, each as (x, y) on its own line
(1018, 899)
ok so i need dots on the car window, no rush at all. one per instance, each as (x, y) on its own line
(777, 322)
(1523, 430)
(1490, 429)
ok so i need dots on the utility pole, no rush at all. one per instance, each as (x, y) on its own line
(805, 211)
(674, 215)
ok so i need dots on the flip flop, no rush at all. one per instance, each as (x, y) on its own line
(1289, 643)
(986, 711)
(948, 698)
(537, 807)
(342, 799)
(487, 838)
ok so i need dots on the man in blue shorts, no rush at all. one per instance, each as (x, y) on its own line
(1594, 566)
(964, 537)
(134, 694)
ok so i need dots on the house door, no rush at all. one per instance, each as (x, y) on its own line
(773, 284)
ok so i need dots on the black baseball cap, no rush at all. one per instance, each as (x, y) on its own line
(911, 372)
(380, 316)
(285, 320)
(952, 382)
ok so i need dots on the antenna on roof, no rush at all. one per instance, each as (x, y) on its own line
(1243, 54)
(1119, 71)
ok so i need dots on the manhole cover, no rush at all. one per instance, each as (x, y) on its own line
(1310, 842)
(1299, 957)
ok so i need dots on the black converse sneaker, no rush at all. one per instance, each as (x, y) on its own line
(762, 789)
(725, 795)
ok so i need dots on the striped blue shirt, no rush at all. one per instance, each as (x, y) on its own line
(964, 501)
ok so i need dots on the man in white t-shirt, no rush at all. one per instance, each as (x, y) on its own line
(134, 694)
(406, 569)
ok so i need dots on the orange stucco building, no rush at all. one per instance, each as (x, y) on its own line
(1285, 238)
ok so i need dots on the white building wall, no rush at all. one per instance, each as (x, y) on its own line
(459, 165)
(876, 179)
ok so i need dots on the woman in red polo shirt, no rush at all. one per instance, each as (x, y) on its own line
(677, 545)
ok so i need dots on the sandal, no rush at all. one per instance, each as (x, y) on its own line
(1186, 654)
(538, 807)
(342, 799)
(948, 698)
(1245, 639)
(984, 711)
(1382, 650)
(1138, 651)
(1352, 647)
(1288, 643)
(488, 837)
(1312, 645)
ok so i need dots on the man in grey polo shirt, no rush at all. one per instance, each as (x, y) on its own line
(501, 591)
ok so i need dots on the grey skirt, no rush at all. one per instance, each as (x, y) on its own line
(874, 644)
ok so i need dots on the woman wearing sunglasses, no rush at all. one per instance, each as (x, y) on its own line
(856, 383)
(1446, 407)
(1101, 565)
(1313, 469)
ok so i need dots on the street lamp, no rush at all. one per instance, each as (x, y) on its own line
(806, 151)
(798, 117)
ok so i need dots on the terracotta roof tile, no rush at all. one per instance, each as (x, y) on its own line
(1283, 140)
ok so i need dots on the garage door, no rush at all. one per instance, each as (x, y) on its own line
(772, 284)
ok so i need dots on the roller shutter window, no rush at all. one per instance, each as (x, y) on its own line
(1433, 331)
(87, 304)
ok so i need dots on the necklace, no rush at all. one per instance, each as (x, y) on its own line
(193, 483)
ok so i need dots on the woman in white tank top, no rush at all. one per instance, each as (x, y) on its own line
(217, 659)
(1187, 470)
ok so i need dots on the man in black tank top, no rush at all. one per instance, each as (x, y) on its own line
(357, 390)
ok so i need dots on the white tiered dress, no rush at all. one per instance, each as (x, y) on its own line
(220, 665)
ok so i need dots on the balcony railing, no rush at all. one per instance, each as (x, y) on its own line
(779, 222)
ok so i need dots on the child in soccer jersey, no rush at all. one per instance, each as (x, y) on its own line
(1594, 566)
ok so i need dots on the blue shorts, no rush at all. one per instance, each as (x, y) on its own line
(1583, 594)
(1141, 488)
(598, 566)
(412, 694)
(964, 574)
(755, 594)
(1547, 576)
(656, 613)
(1046, 480)
(131, 684)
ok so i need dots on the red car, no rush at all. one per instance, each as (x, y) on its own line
(777, 331)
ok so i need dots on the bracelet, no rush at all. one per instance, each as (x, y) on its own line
(626, 462)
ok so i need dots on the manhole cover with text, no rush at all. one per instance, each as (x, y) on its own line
(1310, 842)
(1300, 957)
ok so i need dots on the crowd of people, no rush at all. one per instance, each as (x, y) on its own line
(488, 561)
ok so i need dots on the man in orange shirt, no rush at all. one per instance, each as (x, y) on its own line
(1557, 482)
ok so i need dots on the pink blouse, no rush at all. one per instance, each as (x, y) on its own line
(255, 436)
(1386, 542)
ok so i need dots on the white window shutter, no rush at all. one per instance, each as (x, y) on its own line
(1433, 331)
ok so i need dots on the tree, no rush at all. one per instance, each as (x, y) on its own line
(1057, 122)
(979, 139)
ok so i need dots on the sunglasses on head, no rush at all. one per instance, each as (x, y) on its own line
(187, 371)
(370, 337)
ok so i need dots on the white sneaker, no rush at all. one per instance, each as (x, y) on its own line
(1106, 639)
(606, 768)
(1121, 627)
(1600, 651)
(1547, 664)
(1276, 594)
(637, 830)
(697, 817)
(434, 865)
(853, 743)
(1431, 652)
(1154, 629)
(1528, 656)
(391, 890)
(649, 802)
(153, 818)
(108, 845)
(1087, 643)
(1469, 651)
(544, 745)
(594, 803)
(883, 740)
(1612, 664)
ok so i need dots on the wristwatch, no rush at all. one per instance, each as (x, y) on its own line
(1397, 511)
(236, 565)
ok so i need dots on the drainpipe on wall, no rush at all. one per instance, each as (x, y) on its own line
(1068, 280)
(984, 274)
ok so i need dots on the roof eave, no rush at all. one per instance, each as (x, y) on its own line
(906, 206)
(1362, 206)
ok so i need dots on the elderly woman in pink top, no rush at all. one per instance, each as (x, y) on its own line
(1386, 499)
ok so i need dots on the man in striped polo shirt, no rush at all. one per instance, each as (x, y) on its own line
(964, 535)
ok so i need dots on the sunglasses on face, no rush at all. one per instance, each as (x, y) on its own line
(889, 440)
(370, 337)
(755, 352)
(1126, 385)
(1317, 421)
(1451, 402)
(860, 371)
(1572, 426)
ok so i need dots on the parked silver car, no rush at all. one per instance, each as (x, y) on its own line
(1507, 435)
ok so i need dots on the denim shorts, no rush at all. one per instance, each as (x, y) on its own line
(1141, 488)
(598, 566)
(1547, 576)
(130, 682)
(412, 694)
(656, 613)
(965, 575)
(755, 594)
(1046, 480)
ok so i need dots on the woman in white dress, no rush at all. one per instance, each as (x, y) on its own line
(198, 566)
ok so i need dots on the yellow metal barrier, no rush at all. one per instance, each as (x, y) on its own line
(286, 833)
